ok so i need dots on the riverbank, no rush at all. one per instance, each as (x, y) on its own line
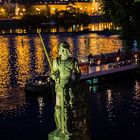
(33, 25)
(56, 30)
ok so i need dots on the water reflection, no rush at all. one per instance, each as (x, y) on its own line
(74, 28)
(41, 106)
(12, 101)
(22, 56)
(39, 56)
(23, 59)
(53, 42)
(110, 105)
(137, 88)
(4, 65)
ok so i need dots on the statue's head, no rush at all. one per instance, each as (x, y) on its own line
(64, 49)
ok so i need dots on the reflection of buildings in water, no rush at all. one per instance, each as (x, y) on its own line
(83, 46)
(104, 44)
(23, 58)
(53, 45)
(72, 46)
(39, 56)
(4, 66)
(28, 51)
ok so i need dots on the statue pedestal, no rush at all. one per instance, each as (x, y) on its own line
(58, 135)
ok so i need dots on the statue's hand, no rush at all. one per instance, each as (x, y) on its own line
(55, 75)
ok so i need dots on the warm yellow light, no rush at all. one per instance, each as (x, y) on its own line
(2, 10)
(135, 56)
(23, 9)
(37, 9)
(99, 62)
(118, 59)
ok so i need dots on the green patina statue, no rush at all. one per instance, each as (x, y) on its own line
(63, 68)
(66, 73)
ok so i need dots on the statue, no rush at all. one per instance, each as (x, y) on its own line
(66, 73)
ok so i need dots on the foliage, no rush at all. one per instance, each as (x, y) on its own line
(124, 13)
(66, 18)
(70, 16)
(29, 9)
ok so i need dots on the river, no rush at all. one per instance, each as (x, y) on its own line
(115, 112)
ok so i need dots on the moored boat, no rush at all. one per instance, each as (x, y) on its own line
(39, 84)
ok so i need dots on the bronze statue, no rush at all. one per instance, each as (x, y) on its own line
(64, 67)
(66, 73)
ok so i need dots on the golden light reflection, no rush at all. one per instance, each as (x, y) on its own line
(104, 44)
(70, 41)
(81, 46)
(53, 44)
(39, 55)
(23, 58)
(100, 26)
(8, 96)
(83, 43)
(4, 66)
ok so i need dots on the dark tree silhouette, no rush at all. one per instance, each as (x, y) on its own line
(124, 13)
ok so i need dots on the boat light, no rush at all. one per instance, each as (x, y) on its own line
(135, 56)
(39, 82)
(99, 62)
(118, 59)
(48, 79)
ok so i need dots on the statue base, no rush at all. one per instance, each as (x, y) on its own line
(58, 135)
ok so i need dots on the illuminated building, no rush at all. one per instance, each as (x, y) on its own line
(89, 6)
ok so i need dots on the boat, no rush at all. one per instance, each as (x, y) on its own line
(40, 84)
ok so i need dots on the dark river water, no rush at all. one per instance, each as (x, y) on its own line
(115, 112)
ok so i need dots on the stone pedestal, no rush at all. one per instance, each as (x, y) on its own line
(58, 135)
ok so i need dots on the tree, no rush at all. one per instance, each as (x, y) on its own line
(124, 13)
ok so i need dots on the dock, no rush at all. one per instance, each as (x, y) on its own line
(89, 72)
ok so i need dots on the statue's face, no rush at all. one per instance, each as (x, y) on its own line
(63, 52)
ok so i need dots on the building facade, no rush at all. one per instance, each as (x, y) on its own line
(89, 6)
